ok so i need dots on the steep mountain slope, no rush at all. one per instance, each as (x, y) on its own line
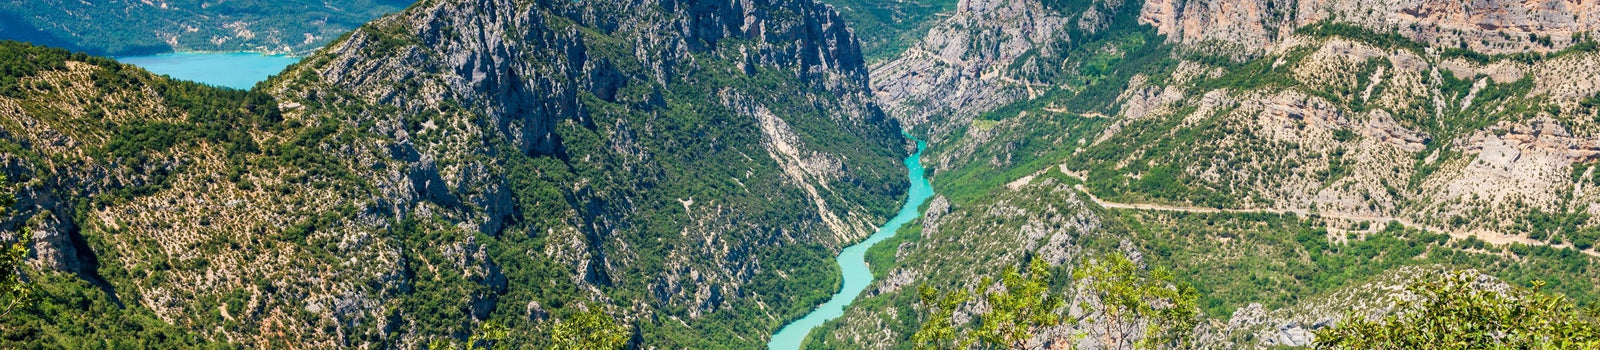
(1334, 118)
(689, 167)
(1491, 26)
(962, 66)
(112, 165)
(686, 167)
(122, 27)
(690, 160)
(1279, 153)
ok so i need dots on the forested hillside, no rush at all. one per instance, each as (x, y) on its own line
(540, 174)
(83, 135)
(888, 28)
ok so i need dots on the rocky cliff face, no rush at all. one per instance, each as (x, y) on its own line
(688, 167)
(1371, 133)
(1351, 120)
(527, 71)
(962, 67)
(1488, 26)
(693, 148)
(1472, 125)
(988, 54)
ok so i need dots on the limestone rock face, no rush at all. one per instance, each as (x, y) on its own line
(667, 161)
(461, 92)
(1254, 112)
(525, 70)
(1490, 26)
(959, 69)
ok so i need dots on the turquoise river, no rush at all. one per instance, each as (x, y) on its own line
(853, 260)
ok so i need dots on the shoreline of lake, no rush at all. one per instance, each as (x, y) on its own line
(236, 70)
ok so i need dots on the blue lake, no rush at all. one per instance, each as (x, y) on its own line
(239, 70)
(853, 260)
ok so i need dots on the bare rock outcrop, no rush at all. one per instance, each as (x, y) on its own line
(1491, 26)
(959, 69)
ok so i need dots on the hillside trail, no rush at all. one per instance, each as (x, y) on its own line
(1493, 237)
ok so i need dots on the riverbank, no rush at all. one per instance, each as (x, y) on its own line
(852, 260)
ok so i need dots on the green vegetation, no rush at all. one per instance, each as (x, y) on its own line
(887, 28)
(939, 330)
(1038, 144)
(1231, 260)
(623, 207)
(1391, 40)
(21, 60)
(122, 28)
(1157, 174)
(589, 330)
(1121, 298)
(72, 313)
(1277, 261)
(1455, 311)
(1129, 295)
(489, 336)
(986, 246)
(1154, 159)
(1255, 74)
(1042, 132)
(15, 292)
(706, 152)
(223, 117)
(881, 257)
(201, 114)
(616, 182)
(1023, 307)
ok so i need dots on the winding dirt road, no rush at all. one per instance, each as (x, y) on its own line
(1492, 237)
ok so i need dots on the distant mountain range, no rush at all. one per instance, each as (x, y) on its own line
(123, 27)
